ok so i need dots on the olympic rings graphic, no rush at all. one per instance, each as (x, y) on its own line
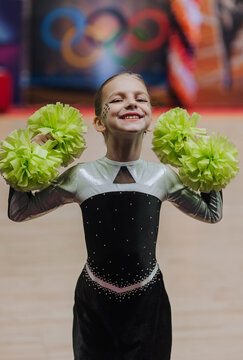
(110, 42)
(157, 17)
(72, 58)
(89, 33)
(116, 16)
(73, 14)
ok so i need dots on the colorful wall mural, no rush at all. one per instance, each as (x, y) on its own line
(81, 43)
(219, 68)
(190, 52)
(10, 41)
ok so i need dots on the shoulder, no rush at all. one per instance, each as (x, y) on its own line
(156, 168)
(164, 176)
(77, 169)
(154, 172)
(83, 172)
(71, 171)
(71, 178)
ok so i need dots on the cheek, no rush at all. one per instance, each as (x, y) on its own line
(148, 110)
(147, 106)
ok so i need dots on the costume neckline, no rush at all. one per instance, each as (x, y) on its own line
(121, 163)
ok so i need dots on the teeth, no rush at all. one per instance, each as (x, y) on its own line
(131, 117)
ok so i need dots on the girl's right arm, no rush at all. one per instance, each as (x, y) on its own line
(27, 205)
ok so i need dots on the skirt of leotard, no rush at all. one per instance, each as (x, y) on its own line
(131, 326)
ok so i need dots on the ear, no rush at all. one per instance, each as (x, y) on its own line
(99, 125)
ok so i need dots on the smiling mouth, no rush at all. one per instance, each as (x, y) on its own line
(131, 117)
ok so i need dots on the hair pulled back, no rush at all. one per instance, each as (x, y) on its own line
(98, 95)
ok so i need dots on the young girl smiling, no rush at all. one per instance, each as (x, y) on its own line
(121, 309)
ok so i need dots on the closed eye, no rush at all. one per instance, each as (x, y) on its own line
(115, 100)
(142, 100)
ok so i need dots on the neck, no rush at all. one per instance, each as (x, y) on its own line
(123, 150)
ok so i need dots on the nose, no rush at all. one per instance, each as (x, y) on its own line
(131, 103)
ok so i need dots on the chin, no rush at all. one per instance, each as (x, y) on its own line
(133, 131)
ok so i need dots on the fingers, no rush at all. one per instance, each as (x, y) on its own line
(41, 139)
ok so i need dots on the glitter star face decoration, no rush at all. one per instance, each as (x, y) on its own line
(105, 111)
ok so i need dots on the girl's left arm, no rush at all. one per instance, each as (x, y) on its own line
(204, 207)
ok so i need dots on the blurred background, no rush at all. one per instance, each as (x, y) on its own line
(190, 53)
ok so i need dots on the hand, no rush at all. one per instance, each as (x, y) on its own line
(41, 139)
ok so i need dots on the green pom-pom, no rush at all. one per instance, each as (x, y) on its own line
(28, 166)
(65, 125)
(172, 131)
(210, 163)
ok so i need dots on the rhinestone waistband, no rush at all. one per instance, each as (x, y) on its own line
(118, 289)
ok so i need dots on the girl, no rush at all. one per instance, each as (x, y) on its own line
(121, 309)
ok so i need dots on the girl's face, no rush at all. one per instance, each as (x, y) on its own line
(126, 106)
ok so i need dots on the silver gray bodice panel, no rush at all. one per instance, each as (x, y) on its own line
(83, 181)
